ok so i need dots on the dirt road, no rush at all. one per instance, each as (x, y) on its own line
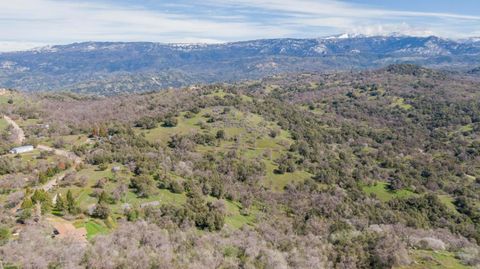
(19, 135)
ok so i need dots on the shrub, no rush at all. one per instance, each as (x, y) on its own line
(144, 185)
(220, 134)
(170, 122)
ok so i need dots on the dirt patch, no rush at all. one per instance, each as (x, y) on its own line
(65, 229)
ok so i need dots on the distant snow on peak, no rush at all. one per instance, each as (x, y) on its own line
(43, 49)
(320, 49)
(345, 36)
(472, 39)
(186, 47)
(363, 35)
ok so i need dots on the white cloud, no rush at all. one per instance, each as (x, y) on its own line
(347, 17)
(56, 21)
(26, 23)
(333, 8)
(384, 29)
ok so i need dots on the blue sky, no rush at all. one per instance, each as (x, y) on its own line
(30, 23)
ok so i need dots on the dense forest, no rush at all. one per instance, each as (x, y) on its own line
(368, 169)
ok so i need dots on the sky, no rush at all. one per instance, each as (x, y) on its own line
(26, 24)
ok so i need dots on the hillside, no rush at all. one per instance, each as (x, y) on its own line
(368, 169)
(111, 68)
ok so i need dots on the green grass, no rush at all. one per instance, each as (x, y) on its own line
(218, 93)
(447, 200)
(82, 194)
(246, 98)
(28, 122)
(162, 196)
(466, 128)
(70, 141)
(185, 126)
(4, 98)
(233, 131)
(434, 260)
(271, 87)
(278, 181)
(234, 219)
(16, 97)
(3, 124)
(94, 227)
(383, 194)
(400, 102)
(31, 158)
(253, 143)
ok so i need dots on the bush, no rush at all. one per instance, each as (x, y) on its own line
(189, 115)
(390, 252)
(101, 211)
(176, 187)
(431, 244)
(144, 185)
(170, 122)
(4, 235)
(274, 133)
(146, 123)
(220, 134)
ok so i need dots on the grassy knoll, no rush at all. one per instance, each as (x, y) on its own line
(185, 126)
(384, 194)
(434, 260)
(252, 142)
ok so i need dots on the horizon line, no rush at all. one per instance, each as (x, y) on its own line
(29, 46)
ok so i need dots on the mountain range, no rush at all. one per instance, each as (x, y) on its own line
(118, 67)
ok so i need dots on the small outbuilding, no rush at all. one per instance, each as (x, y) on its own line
(21, 149)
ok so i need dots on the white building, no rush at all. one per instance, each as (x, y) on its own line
(21, 149)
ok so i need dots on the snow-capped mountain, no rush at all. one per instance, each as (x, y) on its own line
(67, 66)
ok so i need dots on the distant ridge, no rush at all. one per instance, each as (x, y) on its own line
(115, 67)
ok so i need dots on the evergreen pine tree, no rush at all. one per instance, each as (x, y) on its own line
(70, 205)
(60, 203)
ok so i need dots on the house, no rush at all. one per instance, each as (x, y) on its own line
(21, 149)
